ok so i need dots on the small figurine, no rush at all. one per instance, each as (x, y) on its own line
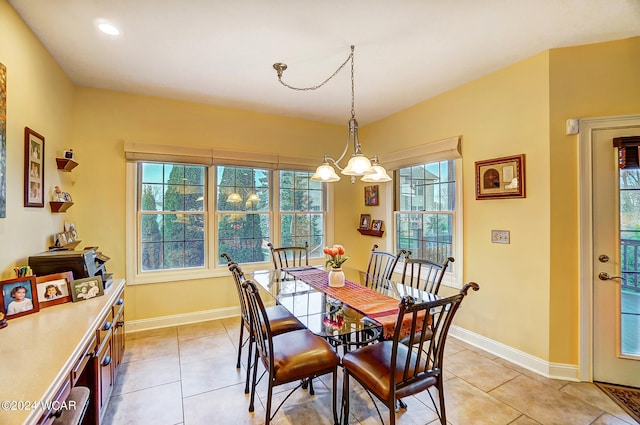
(57, 195)
(3, 321)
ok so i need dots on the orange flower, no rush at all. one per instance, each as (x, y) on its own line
(336, 256)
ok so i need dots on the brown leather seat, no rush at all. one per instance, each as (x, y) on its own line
(288, 357)
(391, 370)
(279, 317)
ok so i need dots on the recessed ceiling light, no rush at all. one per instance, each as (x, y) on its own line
(108, 29)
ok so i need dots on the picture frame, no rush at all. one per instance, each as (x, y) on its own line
(10, 291)
(33, 169)
(501, 178)
(376, 225)
(53, 289)
(365, 221)
(70, 227)
(371, 196)
(86, 288)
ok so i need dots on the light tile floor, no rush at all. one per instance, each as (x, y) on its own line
(186, 375)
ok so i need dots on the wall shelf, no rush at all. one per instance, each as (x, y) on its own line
(59, 206)
(371, 232)
(65, 164)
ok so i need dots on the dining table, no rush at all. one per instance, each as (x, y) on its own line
(350, 315)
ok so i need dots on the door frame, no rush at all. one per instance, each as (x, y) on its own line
(585, 231)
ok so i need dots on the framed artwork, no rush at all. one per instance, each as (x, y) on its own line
(84, 289)
(371, 195)
(71, 228)
(500, 178)
(53, 289)
(19, 296)
(376, 225)
(33, 168)
(3, 141)
(365, 221)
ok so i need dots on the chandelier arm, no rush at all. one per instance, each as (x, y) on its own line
(280, 68)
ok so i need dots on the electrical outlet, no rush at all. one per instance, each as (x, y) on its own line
(500, 236)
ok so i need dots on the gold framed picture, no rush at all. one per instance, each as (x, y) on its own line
(500, 178)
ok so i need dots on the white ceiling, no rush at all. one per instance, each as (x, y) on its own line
(221, 52)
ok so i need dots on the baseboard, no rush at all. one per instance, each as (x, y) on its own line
(542, 367)
(550, 370)
(180, 319)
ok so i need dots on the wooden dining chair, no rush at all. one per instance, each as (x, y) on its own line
(279, 317)
(289, 256)
(390, 370)
(381, 266)
(292, 356)
(423, 274)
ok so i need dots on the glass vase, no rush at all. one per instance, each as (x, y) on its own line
(336, 277)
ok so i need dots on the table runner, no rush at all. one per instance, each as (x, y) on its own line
(375, 305)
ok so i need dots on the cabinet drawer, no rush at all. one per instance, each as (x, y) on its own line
(55, 406)
(118, 306)
(105, 326)
(105, 375)
(88, 353)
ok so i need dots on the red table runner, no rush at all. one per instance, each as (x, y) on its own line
(379, 307)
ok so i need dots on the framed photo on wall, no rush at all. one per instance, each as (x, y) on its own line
(33, 168)
(18, 296)
(371, 195)
(376, 225)
(500, 178)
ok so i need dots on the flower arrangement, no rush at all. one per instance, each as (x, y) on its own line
(336, 256)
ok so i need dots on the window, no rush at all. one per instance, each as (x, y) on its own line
(178, 238)
(243, 211)
(302, 211)
(172, 216)
(426, 210)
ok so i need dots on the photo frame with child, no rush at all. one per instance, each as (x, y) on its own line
(53, 289)
(18, 296)
(87, 288)
(33, 168)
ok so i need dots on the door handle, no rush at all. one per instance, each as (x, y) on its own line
(607, 276)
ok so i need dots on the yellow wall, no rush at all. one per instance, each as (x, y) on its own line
(529, 295)
(586, 81)
(103, 120)
(39, 96)
(504, 113)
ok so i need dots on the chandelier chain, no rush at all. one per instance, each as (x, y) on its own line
(317, 86)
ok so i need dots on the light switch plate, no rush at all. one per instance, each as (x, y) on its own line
(500, 236)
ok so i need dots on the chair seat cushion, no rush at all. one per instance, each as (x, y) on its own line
(300, 354)
(282, 320)
(371, 365)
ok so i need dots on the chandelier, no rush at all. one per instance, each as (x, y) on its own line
(359, 164)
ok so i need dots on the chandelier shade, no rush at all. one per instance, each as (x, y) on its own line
(359, 165)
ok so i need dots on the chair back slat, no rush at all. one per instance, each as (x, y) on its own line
(380, 267)
(289, 256)
(422, 351)
(239, 278)
(423, 274)
(260, 326)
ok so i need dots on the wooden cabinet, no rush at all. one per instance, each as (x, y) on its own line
(110, 338)
(53, 410)
(67, 347)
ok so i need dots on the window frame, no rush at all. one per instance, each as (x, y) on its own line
(444, 150)
(135, 276)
